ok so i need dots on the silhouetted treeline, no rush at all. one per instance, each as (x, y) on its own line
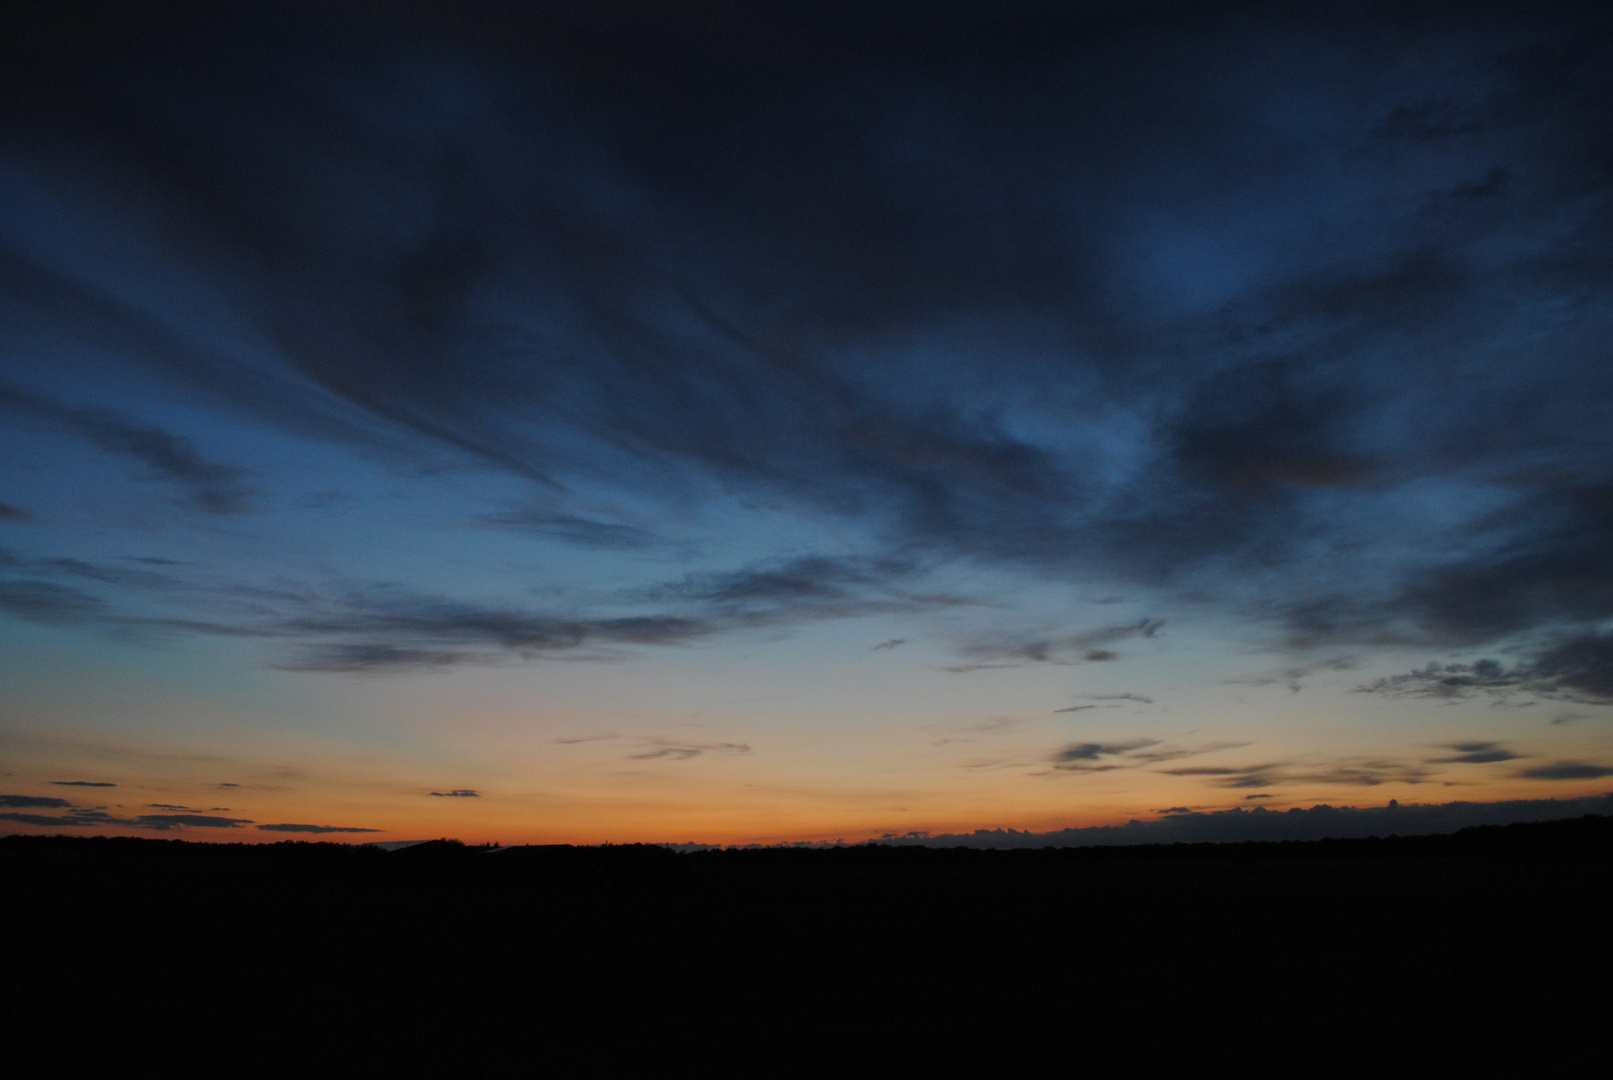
(1588, 838)
(884, 957)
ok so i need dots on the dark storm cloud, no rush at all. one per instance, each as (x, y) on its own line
(1312, 282)
(22, 802)
(289, 828)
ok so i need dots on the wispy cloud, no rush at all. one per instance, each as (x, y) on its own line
(672, 750)
(22, 802)
(1350, 772)
(210, 486)
(1567, 770)
(572, 529)
(1578, 668)
(1129, 754)
(1077, 648)
(1476, 753)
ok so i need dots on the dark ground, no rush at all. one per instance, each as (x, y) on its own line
(1493, 941)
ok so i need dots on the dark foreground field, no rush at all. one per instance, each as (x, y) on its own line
(1252, 956)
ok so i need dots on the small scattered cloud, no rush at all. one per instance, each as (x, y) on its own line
(1293, 677)
(1092, 756)
(458, 793)
(1085, 647)
(1567, 770)
(573, 740)
(893, 643)
(1174, 753)
(83, 783)
(294, 828)
(1105, 701)
(968, 733)
(1229, 776)
(1131, 754)
(41, 819)
(1257, 795)
(180, 821)
(683, 751)
(14, 513)
(1476, 753)
(21, 802)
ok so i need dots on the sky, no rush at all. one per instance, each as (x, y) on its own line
(756, 423)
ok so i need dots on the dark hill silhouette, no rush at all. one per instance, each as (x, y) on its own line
(873, 954)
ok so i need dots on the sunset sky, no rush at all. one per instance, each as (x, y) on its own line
(732, 422)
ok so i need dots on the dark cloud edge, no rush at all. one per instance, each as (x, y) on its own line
(1319, 822)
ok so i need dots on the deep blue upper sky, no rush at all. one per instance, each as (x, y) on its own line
(389, 340)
